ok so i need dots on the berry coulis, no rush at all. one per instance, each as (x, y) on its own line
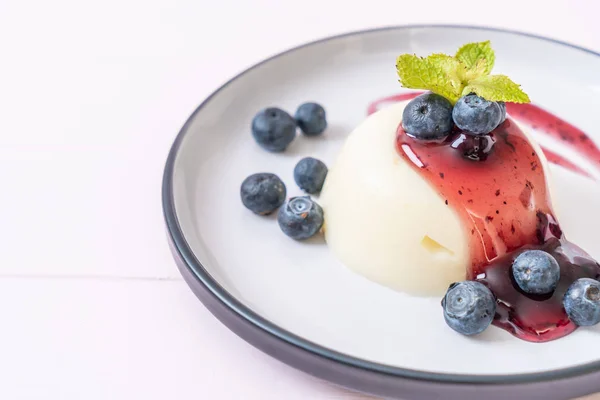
(497, 185)
(548, 124)
(541, 122)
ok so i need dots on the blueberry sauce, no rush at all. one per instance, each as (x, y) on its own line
(541, 122)
(537, 318)
(548, 124)
(497, 185)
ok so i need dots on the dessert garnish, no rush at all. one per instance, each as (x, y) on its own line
(493, 176)
(300, 218)
(454, 77)
(469, 307)
(310, 174)
(311, 119)
(273, 129)
(263, 193)
(582, 302)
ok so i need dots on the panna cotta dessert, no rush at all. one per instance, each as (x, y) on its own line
(407, 236)
(401, 232)
(442, 192)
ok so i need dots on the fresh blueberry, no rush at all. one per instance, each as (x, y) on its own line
(428, 117)
(310, 174)
(273, 129)
(469, 307)
(582, 302)
(536, 272)
(300, 218)
(311, 119)
(476, 115)
(263, 193)
(503, 109)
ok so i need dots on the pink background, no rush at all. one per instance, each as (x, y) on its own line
(91, 97)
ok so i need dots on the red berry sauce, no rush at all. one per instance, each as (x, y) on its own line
(541, 122)
(498, 187)
(547, 124)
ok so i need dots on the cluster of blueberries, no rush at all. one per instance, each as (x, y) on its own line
(263, 193)
(470, 306)
(432, 117)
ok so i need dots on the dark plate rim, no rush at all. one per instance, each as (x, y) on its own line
(250, 317)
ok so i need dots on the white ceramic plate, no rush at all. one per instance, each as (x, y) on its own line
(298, 293)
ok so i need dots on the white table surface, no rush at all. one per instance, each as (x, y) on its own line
(91, 96)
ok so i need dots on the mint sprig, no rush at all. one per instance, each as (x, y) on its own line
(496, 88)
(452, 77)
(472, 53)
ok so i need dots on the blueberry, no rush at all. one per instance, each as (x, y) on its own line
(310, 174)
(476, 115)
(311, 119)
(263, 193)
(469, 307)
(428, 117)
(503, 110)
(300, 218)
(582, 302)
(273, 129)
(536, 272)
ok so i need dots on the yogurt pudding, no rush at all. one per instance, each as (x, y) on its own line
(424, 206)
(402, 234)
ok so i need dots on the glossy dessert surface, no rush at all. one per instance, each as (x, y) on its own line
(401, 233)
(502, 196)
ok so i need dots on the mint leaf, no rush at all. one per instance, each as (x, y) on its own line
(451, 67)
(452, 77)
(468, 74)
(448, 64)
(436, 73)
(470, 55)
(496, 88)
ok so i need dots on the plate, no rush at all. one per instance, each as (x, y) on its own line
(294, 300)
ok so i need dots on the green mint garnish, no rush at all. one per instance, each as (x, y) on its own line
(425, 73)
(473, 53)
(452, 77)
(496, 88)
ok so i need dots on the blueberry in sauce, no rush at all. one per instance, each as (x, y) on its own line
(428, 117)
(469, 307)
(536, 272)
(504, 204)
(582, 302)
(476, 115)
